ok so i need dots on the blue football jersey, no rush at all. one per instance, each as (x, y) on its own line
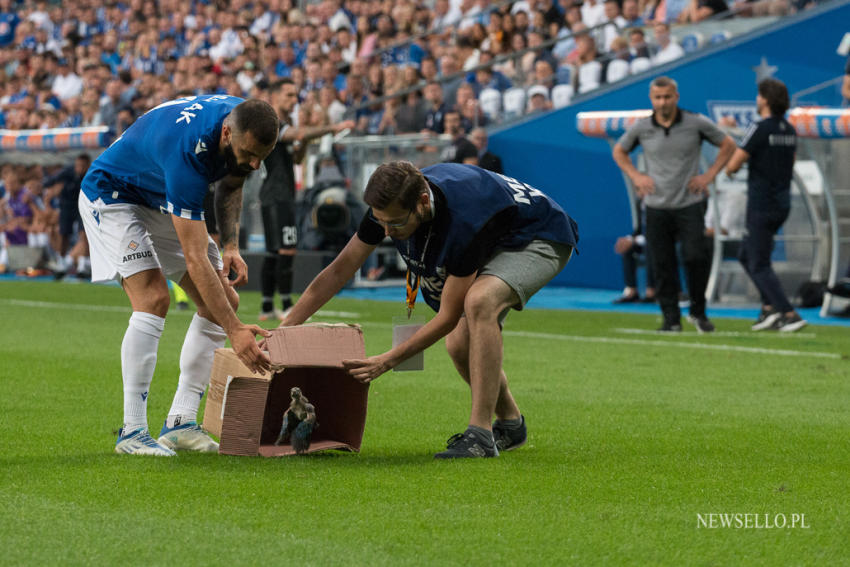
(166, 159)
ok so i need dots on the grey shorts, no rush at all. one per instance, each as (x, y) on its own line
(527, 269)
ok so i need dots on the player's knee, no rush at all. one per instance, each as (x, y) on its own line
(158, 300)
(285, 261)
(479, 306)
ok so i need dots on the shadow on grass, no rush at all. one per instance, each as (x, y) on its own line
(205, 463)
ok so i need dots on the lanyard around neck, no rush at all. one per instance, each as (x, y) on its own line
(412, 279)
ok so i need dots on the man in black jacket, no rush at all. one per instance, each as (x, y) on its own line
(769, 146)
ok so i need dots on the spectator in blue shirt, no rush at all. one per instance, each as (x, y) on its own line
(9, 21)
(285, 61)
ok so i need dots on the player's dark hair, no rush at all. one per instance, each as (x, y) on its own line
(259, 118)
(775, 93)
(277, 85)
(397, 181)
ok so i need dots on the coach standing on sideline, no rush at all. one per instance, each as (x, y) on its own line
(142, 203)
(675, 196)
(769, 145)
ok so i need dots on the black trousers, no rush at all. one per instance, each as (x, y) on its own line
(755, 256)
(665, 227)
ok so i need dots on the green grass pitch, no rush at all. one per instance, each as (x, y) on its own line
(634, 441)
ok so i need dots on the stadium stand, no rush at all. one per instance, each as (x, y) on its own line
(88, 64)
(562, 95)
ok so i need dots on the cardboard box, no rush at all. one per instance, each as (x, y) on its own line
(245, 409)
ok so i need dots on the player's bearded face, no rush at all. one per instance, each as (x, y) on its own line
(232, 162)
(242, 152)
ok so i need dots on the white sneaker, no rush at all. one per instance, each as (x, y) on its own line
(140, 442)
(766, 320)
(187, 437)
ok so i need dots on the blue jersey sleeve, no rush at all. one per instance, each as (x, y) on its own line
(186, 183)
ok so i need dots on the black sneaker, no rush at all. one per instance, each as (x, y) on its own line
(702, 324)
(790, 323)
(468, 444)
(634, 298)
(509, 438)
(766, 320)
(670, 327)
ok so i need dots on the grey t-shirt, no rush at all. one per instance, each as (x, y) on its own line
(672, 155)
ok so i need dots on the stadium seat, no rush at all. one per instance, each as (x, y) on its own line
(617, 70)
(589, 76)
(692, 41)
(562, 95)
(513, 102)
(719, 37)
(640, 64)
(491, 103)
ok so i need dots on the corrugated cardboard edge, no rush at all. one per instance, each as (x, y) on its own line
(225, 364)
(316, 345)
(242, 422)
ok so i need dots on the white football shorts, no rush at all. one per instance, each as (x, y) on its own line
(125, 239)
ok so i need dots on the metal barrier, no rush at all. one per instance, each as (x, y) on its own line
(801, 245)
(824, 135)
(358, 157)
(362, 155)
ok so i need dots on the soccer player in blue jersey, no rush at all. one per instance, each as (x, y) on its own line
(480, 243)
(142, 203)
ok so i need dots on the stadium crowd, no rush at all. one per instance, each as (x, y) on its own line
(393, 66)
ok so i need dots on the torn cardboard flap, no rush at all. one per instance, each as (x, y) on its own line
(315, 345)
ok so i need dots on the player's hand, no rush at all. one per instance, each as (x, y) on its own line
(644, 185)
(699, 184)
(366, 370)
(247, 349)
(234, 265)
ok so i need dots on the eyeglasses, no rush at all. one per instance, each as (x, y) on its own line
(392, 224)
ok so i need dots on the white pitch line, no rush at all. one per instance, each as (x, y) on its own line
(716, 334)
(128, 309)
(59, 305)
(552, 336)
(343, 314)
(674, 344)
